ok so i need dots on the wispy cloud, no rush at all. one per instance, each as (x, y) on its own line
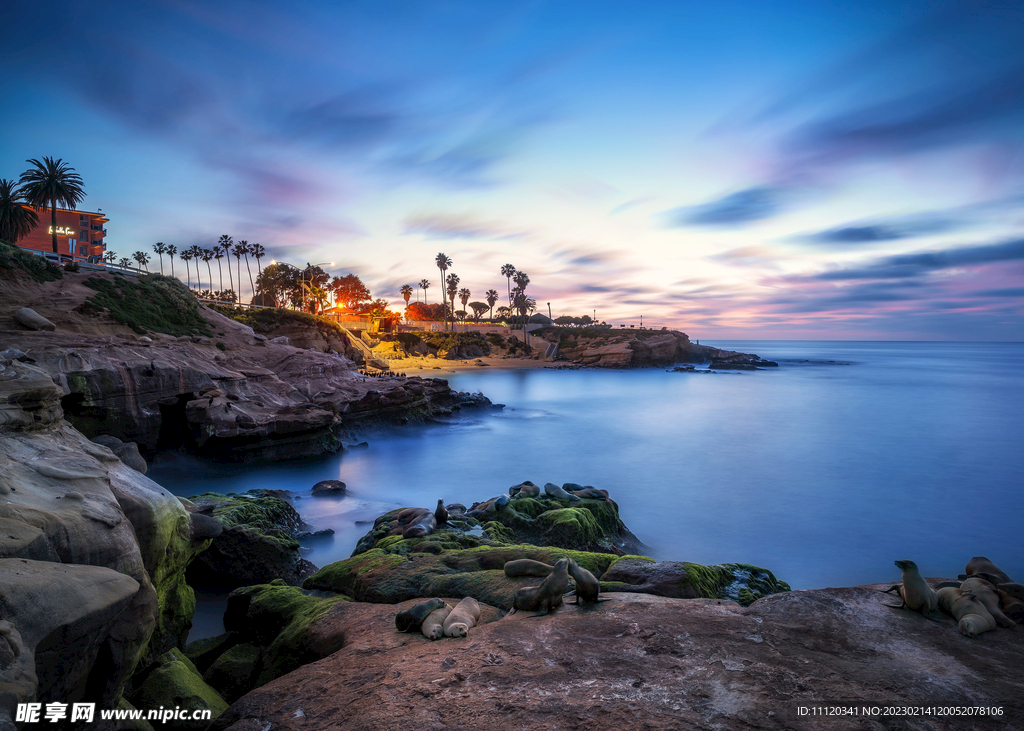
(454, 226)
(735, 209)
(904, 266)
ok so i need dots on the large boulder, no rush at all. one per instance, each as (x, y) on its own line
(126, 452)
(642, 661)
(257, 544)
(33, 320)
(175, 683)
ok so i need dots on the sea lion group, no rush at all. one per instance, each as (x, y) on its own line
(569, 492)
(435, 619)
(984, 598)
(419, 522)
(547, 597)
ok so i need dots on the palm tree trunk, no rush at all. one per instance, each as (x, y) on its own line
(210, 272)
(172, 266)
(161, 264)
(239, 280)
(220, 273)
(231, 280)
(251, 285)
(53, 224)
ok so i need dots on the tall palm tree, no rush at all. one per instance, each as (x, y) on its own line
(109, 257)
(245, 252)
(464, 295)
(406, 291)
(521, 279)
(51, 182)
(258, 252)
(142, 258)
(238, 249)
(225, 242)
(443, 261)
(207, 255)
(523, 304)
(218, 255)
(508, 271)
(424, 283)
(160, 248)
(197, 255)
(453, 290)
(16, 219)
(171, 251)
(492, 298)
(186, 256)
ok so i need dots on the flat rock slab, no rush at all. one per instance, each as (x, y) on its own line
(648, 662)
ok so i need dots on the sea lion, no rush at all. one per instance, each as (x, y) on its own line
(587, 585)
(440, 513)
(544, 598)
(1011, 601)
(410, 515)
(433, 626)
(411, 619)
(558, 493)
(423, 527)
(486, 510)
(463, 618)
(526, 489)
(914, 591)
(527, 567)
(970, 614)
(985, 593)
(592, 493)
(981, 566)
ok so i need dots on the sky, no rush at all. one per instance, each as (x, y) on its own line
(738, 170)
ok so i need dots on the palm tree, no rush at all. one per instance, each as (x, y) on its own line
(160, 248)
(51, 182)
(521, 279)
(109, 257)
(523, 304)
(258, 252)
(453, 290)
(196, 255)
(508, 271)
(464, 295)
(207, 255)
(406, 291)
(240, 248)
(245, 250)
(443, 261)
(142, 258)
(225, 243)
(424, 283)
(125, 262)
(186, 256)
(16, 219)
(492, 298)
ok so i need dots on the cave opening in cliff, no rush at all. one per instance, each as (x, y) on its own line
(175, 432)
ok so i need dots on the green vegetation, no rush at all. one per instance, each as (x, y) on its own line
(449, 340)
(150, 303)
(268, 515)
(13, 258)
(267, 319)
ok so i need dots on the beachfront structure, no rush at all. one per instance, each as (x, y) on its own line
(80, 234)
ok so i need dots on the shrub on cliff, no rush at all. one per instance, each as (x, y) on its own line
(150, 303)
(268, 319)
(13, 259)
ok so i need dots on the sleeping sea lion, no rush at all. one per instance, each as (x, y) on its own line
(525, 489)
(410, 515)
(527, 567)
(463, 618)
(914, 591)
(587, 585)
(411, 619)
(592, 493)
(433, 626)
(971, 616)
(485, 511)
(423, 527)
(1011, 601)
(981, 566)
(544, 598)
(985, 593)
(558, 493)
(440, 513)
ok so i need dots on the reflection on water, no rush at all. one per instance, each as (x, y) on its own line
(823, 472)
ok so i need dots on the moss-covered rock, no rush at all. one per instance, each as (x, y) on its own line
(257, 544)
(203, 652)
(379, 576)
(174, 682)
(741, 583)
(234, 673)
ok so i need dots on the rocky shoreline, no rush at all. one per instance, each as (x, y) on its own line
(97, 565)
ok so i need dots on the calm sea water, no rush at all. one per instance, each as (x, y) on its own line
(847, 457)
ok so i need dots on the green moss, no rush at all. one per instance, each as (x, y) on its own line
(707, 581)
(175, 682)
(234, 673)
(499, 533)
(266, 514)
(150, 303)
(348, 576)
(569, 526)
(528, 506)
(13, 259)
(203, 652)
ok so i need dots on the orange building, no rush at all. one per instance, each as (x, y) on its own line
(80, 234)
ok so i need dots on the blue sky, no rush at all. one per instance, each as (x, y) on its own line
(816, 170)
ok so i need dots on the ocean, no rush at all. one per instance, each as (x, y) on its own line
(846, 457)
